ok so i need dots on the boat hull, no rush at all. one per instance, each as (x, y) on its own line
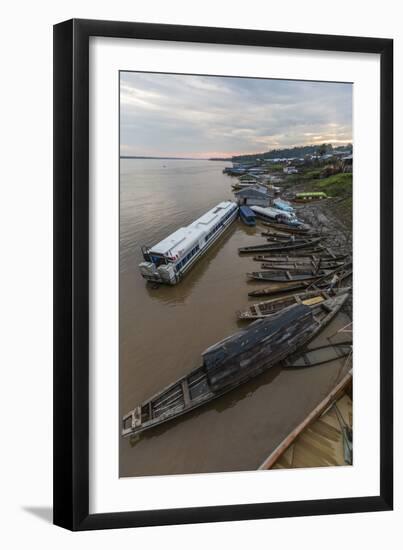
(278, 246)
(261, 310)
(180, 274)
(285, 277)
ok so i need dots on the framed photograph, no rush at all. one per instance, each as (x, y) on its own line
(223, 228)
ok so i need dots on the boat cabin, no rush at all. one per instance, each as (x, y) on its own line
(168, 260)
(247, 215)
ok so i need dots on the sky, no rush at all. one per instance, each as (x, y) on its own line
(206, 116)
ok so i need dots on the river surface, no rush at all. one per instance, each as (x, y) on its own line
(164, 330)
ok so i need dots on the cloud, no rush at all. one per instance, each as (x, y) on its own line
(189, 115)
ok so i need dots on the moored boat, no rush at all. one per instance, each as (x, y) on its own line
(287, 276)
(310, 196)
(268, 247)
(233, 361)
(302, 257)
(169, 260)
(321, 282)
(287, 227)
(281, 204)
(247, 215)
(270, 307)
(284, 239)
(320, 355)
(295, 266)
(324, 437)
(270, 214)
(290, 237)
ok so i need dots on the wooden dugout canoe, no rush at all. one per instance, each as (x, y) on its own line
(287, 228)
(287, 276)
(321, 283)
(274, 247)
(232, 362)
(277, 237)
(269, 307)
(320, 355)
(304, 258)
(297, 266)
(321, 438)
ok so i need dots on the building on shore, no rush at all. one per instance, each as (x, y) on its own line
(256, 195)
(347, 163)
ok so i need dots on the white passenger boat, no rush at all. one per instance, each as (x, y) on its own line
(168, 261)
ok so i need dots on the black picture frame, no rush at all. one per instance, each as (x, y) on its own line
(71, 274)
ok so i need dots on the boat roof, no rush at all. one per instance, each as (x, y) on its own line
(254, 334)
(269, 211)
(247, 211)
(281, 201)
(312, 194)
(184, 237)
(253, 190)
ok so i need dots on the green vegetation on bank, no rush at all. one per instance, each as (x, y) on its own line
(339, 185)
(305, 175)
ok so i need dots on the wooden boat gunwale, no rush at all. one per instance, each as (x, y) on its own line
(328, 400)
(299, 297)
(295, 267)
(285, 276)
(334, 345)
(287, 228)
(298, 285)
(307, 258)
(279, 246)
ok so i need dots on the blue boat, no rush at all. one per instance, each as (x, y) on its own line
(247, 215)
(283, 205)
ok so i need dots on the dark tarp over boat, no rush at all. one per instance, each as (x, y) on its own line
(247, 353)
(234, 361)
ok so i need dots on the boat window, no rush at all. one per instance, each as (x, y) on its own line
(157, 260)
(188, 256)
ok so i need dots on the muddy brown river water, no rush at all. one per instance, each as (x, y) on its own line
(164, 330)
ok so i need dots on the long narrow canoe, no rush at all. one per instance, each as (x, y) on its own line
(287, 276)
(312, 357)
(303, 257)
(287, 240)
(279, 246)
(321, 283)
(277, 237)
(287, 228)
(296, 266)
(232, 362)
(329, 439)
(270, 307)
(281, 238)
